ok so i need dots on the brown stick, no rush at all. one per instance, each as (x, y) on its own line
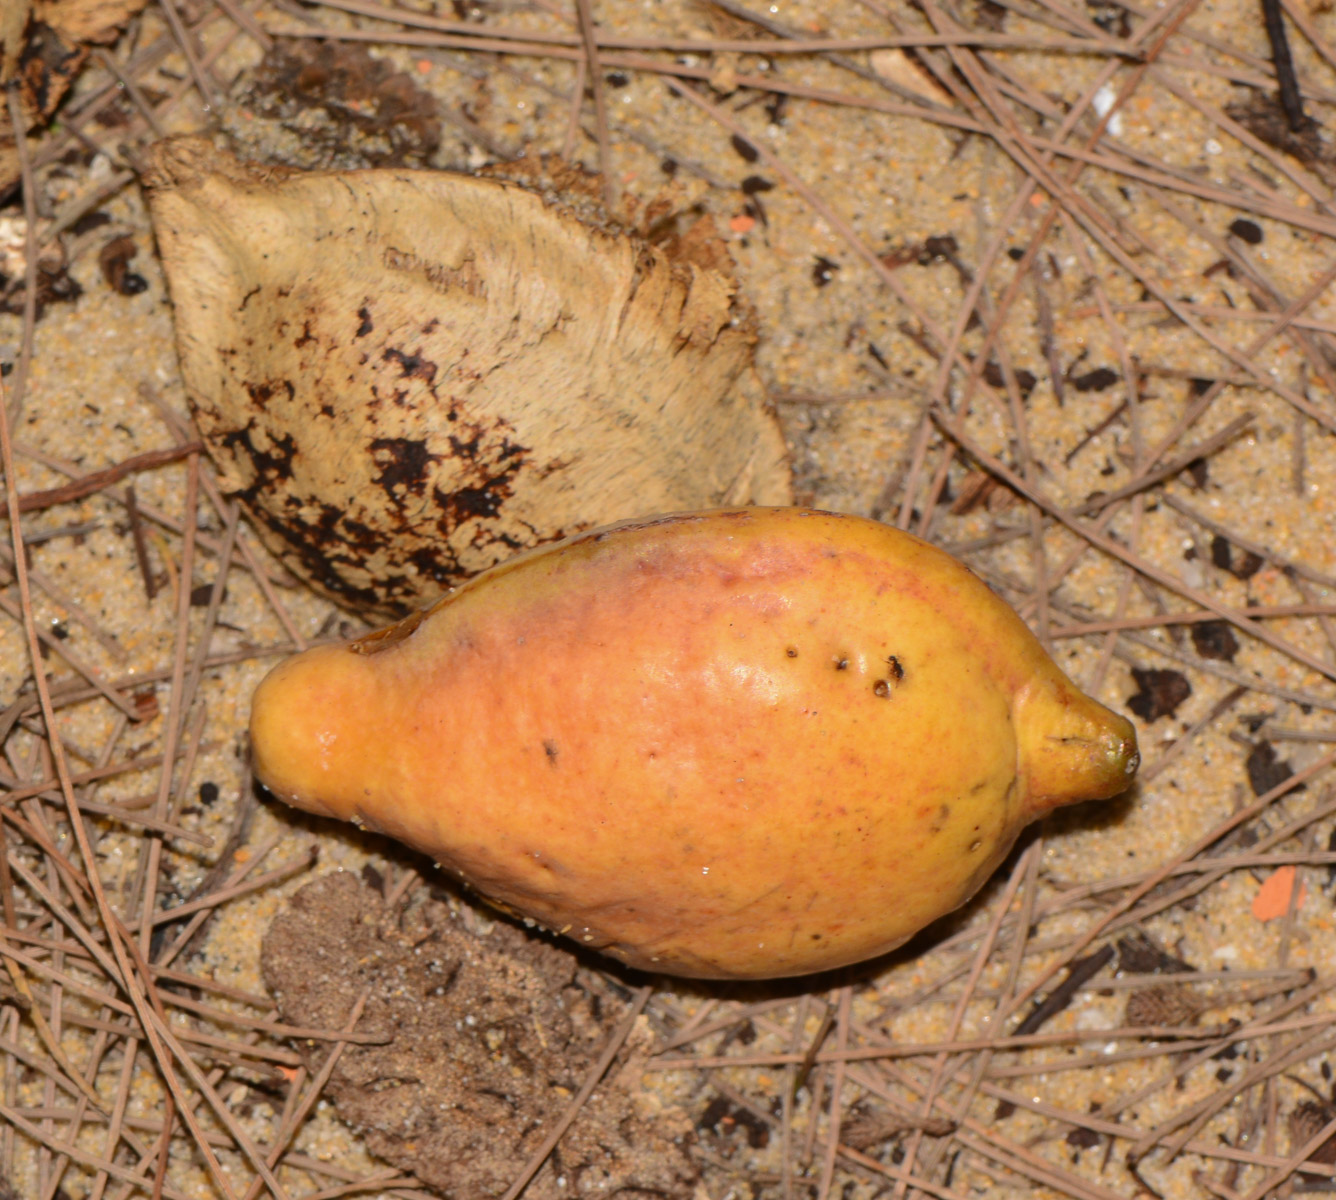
(97, 480)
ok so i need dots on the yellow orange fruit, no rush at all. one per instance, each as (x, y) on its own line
(737, 744)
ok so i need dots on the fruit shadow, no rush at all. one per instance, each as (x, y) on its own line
(1091, 818)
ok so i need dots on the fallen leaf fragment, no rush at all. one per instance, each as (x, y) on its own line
(1273, 897)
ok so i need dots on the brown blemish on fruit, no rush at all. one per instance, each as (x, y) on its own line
(881, 688)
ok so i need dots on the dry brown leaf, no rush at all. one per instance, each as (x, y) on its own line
(407, 376)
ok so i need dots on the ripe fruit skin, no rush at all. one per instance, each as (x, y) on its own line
(743, 743)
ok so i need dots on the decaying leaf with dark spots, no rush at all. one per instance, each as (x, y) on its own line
(1159, 694)
(408, 376)
(490, 1033)
(1264, 118)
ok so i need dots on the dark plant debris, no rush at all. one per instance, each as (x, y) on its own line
(744, 149)
(1160, 693)
(114, 261)
(724, 1119)
(1140, 954)
(55, 285)
(1242, 564)
(1096, 381)
(51, 48)
(1262, 116)
(1305, 1122)
(1078, 975)
(1215, 639)
(1246, 231)
(1266, 771)
(823, 270)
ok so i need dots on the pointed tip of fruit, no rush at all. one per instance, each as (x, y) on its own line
(1074, 749)
(1115, 759)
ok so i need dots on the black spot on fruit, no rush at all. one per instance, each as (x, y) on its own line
(550, 749)
(366, 326)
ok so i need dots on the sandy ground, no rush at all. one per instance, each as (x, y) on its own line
(844, 359)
